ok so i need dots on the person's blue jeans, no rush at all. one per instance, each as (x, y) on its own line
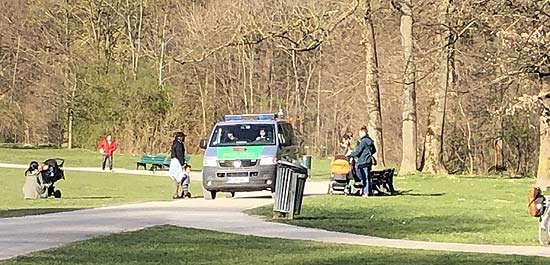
(365, 175)
(107, 159)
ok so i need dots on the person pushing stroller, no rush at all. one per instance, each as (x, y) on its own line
(365, 160)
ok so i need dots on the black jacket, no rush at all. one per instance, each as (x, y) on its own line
(178, 151)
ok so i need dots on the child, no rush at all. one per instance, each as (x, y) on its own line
(185, 182)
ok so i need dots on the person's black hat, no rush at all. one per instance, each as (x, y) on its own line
(180, 134)
(33, 165)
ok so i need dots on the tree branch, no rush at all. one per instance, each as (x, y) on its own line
(283, 35)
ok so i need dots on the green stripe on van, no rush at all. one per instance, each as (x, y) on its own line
(239, 152)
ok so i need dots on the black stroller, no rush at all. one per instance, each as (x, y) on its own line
(51, 172)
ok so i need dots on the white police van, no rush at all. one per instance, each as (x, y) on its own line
(242, 151)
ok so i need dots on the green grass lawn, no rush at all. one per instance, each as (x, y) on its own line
(320, 169)
(432, 208)
(85, 190)
(173, 245)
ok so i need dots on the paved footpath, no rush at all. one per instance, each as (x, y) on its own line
(22, 235)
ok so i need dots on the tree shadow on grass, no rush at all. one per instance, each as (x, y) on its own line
(496, 177)
(390, 223)
(411, 193)
(93, 197)
(319, 218)
(251, 197)
(264, 196)
(33, 211)
(396, 193)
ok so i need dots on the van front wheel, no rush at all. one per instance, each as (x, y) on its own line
(209, 194)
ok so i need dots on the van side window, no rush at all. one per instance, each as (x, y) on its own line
(281, 134)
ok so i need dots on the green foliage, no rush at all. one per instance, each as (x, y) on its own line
(120, 104)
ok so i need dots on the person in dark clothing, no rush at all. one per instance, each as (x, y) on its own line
(364, 153)
(177, 155)
(178, 148)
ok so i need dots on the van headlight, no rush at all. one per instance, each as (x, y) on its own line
(210, 162)
(268, 161)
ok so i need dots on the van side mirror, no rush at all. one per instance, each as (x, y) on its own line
(202, 144)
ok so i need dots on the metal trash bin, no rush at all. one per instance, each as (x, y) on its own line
(289, 188)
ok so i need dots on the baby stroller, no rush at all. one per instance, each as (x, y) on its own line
(341, 174)
(40, 179)
(51, 172)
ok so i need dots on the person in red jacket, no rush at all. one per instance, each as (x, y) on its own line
(107, 147)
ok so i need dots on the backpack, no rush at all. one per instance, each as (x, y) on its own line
(536, 202)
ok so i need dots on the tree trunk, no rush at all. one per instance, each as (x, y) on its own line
(244, 89)
(436, 120)
(136, 66)
(296, 105)
(372, 88)
(70, 107)
(203, 98)
(251, 77)
(70, 130)
(318, 116)
(543, 172)
(409, 160)
(468, 136)
(162, 50)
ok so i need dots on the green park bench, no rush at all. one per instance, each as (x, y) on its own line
(156, 161)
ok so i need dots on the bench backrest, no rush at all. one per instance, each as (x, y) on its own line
(152, 159)
(377, 173)
(384, 174)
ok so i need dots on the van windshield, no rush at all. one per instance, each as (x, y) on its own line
(243, 134)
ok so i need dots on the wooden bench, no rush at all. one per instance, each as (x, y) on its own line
(156, 162)
(382, 180)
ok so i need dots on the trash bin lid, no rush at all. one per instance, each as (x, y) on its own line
(295, 167)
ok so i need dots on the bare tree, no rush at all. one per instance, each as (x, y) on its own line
(372, 87)
(433, 148)
(409, 129)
